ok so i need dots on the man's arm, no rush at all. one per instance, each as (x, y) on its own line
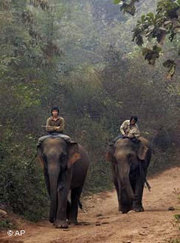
(134, 132)
(122, 128)
(61, 127)
(50, 128)
(137, 132)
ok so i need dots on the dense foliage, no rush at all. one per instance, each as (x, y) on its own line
(76, 55)
(153, 29)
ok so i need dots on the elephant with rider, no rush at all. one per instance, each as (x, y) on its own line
(130, 161)
(65, 164)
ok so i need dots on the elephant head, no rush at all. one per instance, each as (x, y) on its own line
(124, 156)
(57, 157)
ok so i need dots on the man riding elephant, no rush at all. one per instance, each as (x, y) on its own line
(129, 128)
(55, 123)
(65, 164)
(54, 126)
(130, 155)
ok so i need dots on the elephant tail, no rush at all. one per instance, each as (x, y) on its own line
(79, 204)
(142, 173)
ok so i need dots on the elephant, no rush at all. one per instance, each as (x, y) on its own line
(65, 164)
(130, 161)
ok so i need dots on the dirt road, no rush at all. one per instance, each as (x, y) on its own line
(103, 223)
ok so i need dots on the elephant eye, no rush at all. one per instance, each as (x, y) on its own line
(44, 156)
(63, 161)
(130, 157)
(63, 156)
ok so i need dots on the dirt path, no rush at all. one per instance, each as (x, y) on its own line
(103, 222)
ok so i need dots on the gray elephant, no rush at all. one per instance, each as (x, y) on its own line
(65, 165)
(130, 162)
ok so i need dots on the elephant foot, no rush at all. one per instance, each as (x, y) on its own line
(73, 222)
(139, 209)
(126, 209)
(61, 224)
(51, 220)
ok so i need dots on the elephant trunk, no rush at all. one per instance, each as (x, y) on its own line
(126, 188)
(53, 198)
(53, 181)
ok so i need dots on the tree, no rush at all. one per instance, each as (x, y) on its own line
(28, 66)
(152, 30)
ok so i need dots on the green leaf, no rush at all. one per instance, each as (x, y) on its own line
(168, 63)
(129, 8)
(171, 65)
(151, 15)
(117, 1)
(157, 48)
(142, 18)
(145, 51)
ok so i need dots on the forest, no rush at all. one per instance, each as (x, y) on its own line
(80, 55)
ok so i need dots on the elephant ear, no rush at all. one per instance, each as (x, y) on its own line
(142, 151)
(73, 153)
(110, 153)
(40, 157)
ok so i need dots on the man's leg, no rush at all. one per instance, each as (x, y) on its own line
(61, 135)
(118, 137)
(66, 137)
(41, 139)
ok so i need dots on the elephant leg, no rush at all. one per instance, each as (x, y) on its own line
(63, 204)
(133, 179)
(68, 209)
(137, 203)
(126, 204)
(118, 194)
(75, 196)
(133, 185)
(46, 177)
(139, 187)
(140, 180)
(61, 216)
